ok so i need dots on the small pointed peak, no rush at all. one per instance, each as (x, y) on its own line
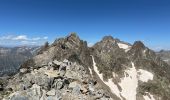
(73, 36)
(106, 38)
(162, 51)
(138, 44)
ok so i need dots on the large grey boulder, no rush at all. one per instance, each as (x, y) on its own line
(51, 92)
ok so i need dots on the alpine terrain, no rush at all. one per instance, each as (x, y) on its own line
(12, 57)
(109, 70)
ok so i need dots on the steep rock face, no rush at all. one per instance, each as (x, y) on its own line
(111, 69)
(109, 55)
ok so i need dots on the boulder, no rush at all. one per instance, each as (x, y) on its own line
(76, 87)
(74, 84)
(58, 84)
(50, 64)
(62, 72)
(65, 61)
(43, 97)
(23, 70)
(34, 93)
(52, 73)
(57, 62)
(51, 92)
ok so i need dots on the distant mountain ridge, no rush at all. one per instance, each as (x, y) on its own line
(12, 57)
(165, 55)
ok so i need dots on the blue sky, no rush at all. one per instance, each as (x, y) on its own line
(24, 22)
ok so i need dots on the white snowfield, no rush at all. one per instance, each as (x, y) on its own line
(90, 71)
(148, 97)
(124, 46)
(166, 60)
(144, 75)
(128, 84)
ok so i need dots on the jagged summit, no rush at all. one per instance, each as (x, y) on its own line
(138, 45)
(73, 34)
(110, 38)
(72, 39)
(109, 70)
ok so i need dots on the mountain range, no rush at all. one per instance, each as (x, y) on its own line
(12, 57)
(70, 70)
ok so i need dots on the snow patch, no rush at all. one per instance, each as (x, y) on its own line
(123, 46)
(166, 60)
(96, 70)
(129, 83)
(90, 71)
(113, 87)
(148, 97)
(145, 50)
(144, 75)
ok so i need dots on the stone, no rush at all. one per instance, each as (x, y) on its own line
(62, 67)
(84, 90)
(23, 70)
(62, 72)
(36, 89)
(99, 94)
(74, 84)
(76, 87)
(91, 86)
(52, 73)
(57, 62)
(65, 61)
(43, 97)
(34, 93)
(58, 84)
(76, 90)
(51, 92)
(50, 64)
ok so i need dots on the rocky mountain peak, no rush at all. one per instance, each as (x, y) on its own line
(73, 37)
(105, 38)
(71, 40)
(138, 45)
(110, 39)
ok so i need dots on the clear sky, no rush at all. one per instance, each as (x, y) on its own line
(35, 21)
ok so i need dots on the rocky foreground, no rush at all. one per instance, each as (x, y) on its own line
(55, 81)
